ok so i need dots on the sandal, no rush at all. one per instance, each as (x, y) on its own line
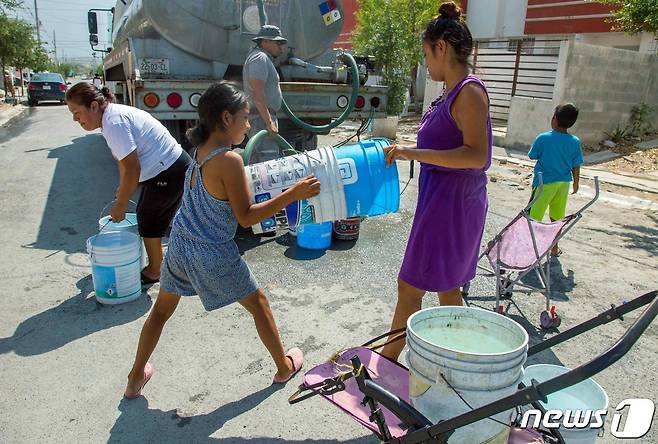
(148, 372)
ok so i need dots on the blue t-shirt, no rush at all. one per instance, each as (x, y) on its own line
(557, 154)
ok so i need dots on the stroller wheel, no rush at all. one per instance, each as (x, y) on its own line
(549, 320)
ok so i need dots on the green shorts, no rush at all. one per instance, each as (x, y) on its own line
(554, 197)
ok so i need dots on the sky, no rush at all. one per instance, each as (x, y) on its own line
(68, 19)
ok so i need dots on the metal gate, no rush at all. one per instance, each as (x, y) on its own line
(511, 68)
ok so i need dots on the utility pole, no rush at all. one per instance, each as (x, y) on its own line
(55, 44)
(36, 18)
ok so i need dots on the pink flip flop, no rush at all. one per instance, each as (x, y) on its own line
(148, 372)
(297, 358)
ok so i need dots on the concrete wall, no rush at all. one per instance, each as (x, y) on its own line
(618, 40)
(605, 83)
(648, 43)
(527, 118)
(491, 19)
(432, 91)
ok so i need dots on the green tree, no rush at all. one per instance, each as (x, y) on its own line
(27, 51)
(390, 31)
(40, 60)
(66, 69)
(634, 16)
(16, 38)
(8, 5)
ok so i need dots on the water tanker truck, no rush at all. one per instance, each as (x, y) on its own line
(165, 53)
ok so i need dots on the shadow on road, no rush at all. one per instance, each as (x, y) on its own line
(138, 423)
(561, 283)
(84, 180)
(74, 318)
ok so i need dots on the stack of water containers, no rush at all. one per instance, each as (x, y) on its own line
(355, 183)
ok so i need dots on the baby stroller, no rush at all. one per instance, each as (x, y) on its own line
(524, 247)
(374, 390)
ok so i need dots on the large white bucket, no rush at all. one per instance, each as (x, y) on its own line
(584, 396)
(479, 353)
(115, 266)
(355, 181)
(128, 224)
(268, 179)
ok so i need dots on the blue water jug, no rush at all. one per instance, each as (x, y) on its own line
(371, 188)
(314, 236)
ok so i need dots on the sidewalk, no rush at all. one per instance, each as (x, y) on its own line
(10, 112)
(644, 182)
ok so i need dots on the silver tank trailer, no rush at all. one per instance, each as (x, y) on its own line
(221, 30)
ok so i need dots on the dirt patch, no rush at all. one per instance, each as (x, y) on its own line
(632, 159)
(642, 161)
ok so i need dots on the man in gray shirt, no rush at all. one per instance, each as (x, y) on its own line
(261, 85)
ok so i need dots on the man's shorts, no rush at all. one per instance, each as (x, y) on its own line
(160, 198)
(554, 197)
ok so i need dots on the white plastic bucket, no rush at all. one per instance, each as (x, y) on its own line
(586, 395)
(128, 224)
(479, 353)
(115, 266)
(355, 181)
(268, 179)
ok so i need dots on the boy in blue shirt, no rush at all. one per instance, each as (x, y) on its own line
(559, 157)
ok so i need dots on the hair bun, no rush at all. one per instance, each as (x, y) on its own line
(450, 10)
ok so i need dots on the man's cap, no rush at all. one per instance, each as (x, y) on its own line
(270, 32)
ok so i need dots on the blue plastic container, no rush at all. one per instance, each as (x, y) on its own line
(314, 236)
(371, 188)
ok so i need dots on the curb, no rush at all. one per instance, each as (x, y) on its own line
(13, 114)
(589, 173)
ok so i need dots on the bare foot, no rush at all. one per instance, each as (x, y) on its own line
(150, 274)
(290, 368)
(137, 380)
(294, 363)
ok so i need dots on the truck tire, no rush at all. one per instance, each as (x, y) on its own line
(178, 128)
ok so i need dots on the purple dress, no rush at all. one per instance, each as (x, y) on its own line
(445, 238)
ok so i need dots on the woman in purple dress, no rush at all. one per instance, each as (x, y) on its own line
(454, 151)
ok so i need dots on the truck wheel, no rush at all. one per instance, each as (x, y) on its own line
(178, 128)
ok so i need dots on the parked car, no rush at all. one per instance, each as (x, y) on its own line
(46, 86)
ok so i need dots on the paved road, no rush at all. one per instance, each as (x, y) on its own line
(64, 359)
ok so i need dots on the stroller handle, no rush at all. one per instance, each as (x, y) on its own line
(535, 391)
(539, 190)
(597, 191)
